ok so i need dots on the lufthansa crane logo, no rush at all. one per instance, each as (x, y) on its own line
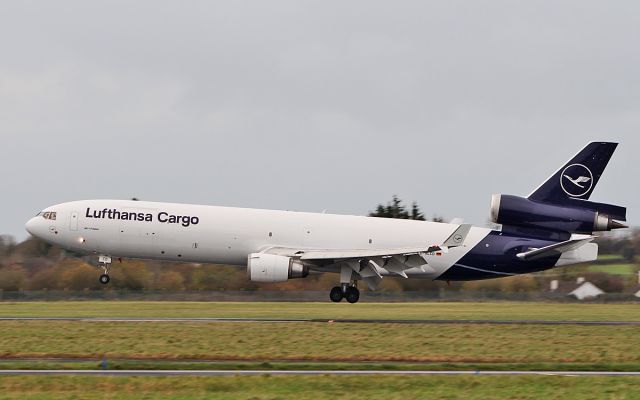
(576, 180)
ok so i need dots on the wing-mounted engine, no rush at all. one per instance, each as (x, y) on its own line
(264, 267)
(573, 216)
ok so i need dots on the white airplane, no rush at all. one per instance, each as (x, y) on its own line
(551, 227)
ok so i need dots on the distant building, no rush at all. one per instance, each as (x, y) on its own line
(587, 291)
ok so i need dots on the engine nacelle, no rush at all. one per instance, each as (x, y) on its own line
(519, 211)
(263, 267)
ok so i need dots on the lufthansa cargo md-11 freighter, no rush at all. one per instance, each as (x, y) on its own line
(551, 227)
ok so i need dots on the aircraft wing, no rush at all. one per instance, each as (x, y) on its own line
(554, 249)
(457, 238)
(348, 254)
(368, 262)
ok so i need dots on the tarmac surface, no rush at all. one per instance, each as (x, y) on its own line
(350, 321)
(286, 372)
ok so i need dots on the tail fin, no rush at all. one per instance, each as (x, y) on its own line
(578, 177)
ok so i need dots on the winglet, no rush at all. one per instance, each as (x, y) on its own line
(458, 236)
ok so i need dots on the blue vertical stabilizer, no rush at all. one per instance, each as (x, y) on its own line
(578, 177)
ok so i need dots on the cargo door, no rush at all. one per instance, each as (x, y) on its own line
(73, 221)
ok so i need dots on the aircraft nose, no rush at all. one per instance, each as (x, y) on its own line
(32, 226)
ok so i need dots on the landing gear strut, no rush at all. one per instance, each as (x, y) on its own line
(104, 262)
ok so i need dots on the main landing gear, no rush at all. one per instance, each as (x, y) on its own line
(104, 262)
(347, 289)
(351, 293)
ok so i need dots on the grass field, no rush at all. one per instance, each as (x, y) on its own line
(610, 257)
(321, 387)
(554, 345)
(320, 345)
(322, 342)
(615, 269)
(327, 310)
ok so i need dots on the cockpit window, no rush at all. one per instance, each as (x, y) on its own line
(49, 215)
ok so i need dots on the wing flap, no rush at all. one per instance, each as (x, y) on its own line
(347, 254)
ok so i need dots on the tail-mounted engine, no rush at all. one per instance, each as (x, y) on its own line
(263, 267)
(574, 216)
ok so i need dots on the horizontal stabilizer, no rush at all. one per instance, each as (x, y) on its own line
(554, 249)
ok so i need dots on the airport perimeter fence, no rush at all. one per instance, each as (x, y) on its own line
(302, 296)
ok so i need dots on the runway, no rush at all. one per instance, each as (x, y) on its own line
(338, 321)
(318, 372)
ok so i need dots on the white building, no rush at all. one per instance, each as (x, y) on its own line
(587, 291)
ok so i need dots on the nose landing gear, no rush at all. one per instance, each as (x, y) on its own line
(104, 279)
(104, 262)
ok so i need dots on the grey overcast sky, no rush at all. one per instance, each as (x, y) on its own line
(312, 105)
